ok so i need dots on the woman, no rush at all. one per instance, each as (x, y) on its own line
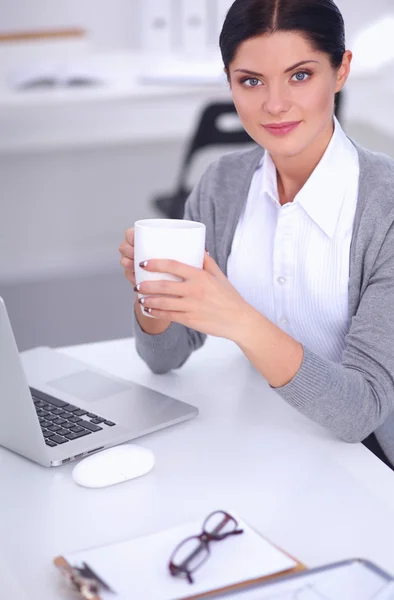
(300, 233)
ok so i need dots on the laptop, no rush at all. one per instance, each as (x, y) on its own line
(55, 409)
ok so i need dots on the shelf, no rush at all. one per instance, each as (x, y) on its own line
(121, 110)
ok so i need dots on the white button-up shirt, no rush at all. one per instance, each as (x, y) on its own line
(291, 262)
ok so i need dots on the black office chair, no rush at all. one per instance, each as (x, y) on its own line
(208, 133)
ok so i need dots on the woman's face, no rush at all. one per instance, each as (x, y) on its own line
(280, 78)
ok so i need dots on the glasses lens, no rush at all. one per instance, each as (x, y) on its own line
(190, 555)
(219, 524)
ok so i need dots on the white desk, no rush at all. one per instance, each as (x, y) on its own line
(247, 451)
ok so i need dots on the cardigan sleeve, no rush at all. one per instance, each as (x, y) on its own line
(171, 349)
(354, 397)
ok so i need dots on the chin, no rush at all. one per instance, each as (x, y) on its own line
(283, 147)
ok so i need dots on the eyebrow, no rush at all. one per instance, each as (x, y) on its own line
(254, 73)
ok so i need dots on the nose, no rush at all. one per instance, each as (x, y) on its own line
(276, 101)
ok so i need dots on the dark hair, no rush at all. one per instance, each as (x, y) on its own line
(320, 21)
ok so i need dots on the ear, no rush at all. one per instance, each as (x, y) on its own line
(343, 71)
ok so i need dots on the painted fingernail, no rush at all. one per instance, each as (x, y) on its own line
(144, 264)
(137, 287)
(141, 300)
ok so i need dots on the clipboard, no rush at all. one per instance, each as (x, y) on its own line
(89, 588)
(90, 583)
(83, 580)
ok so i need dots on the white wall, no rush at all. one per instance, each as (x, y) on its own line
(66, 211)
(116, 23)
(358, 14)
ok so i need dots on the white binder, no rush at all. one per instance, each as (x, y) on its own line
(157, 24)
(194, 26)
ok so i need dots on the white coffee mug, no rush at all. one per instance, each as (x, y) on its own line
(175, 239)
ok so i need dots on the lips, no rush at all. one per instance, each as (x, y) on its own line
(281, 128)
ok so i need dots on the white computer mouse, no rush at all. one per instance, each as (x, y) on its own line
(113, 465)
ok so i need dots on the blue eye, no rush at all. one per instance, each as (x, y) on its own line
(251, 82)
(300, 76)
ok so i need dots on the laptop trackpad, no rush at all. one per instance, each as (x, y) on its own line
(88, 385)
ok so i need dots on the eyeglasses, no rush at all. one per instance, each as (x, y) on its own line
(190, 554)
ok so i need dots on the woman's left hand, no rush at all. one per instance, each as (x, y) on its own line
(205, 300)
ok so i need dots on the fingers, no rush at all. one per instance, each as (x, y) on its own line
(163, 287)
(163, 303)
(129, 236)
(126, 250)
(162, 265)
(128, 266)
(182, 270)
(212, 267)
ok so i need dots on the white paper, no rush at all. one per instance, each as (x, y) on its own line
(157, 25)
(138, 568)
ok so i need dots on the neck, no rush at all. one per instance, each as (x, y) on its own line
(294, 171)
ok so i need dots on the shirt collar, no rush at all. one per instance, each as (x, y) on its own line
(323, 194)
(269, 180)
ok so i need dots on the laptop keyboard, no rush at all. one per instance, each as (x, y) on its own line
(61, 422)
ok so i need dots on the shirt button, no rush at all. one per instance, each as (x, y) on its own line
(281, 280)
(284, 321)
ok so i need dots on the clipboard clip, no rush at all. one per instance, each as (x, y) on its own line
(83, 579)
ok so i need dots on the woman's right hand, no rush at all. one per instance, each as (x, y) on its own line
(126, 250)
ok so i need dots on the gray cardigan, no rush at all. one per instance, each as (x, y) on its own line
(356, 396)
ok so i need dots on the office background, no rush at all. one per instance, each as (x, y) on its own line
(80, 165)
